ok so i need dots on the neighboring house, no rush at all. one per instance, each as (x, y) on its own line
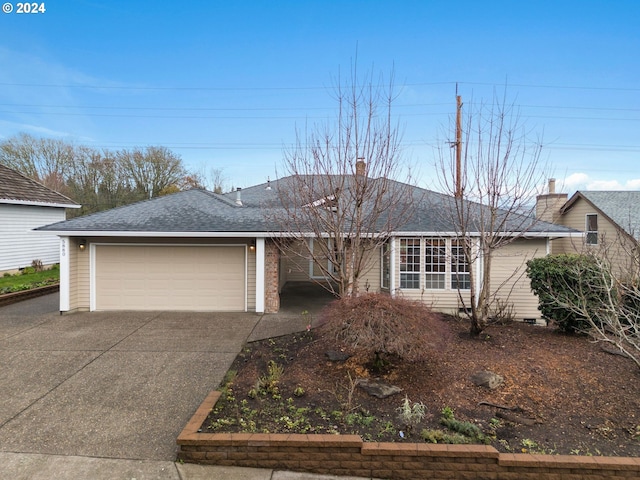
(24, 206)
(610, 221)
(197, 250)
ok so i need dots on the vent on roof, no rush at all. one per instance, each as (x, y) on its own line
(268, 187)
(239, 196)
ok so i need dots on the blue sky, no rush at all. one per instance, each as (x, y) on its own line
(224, 84)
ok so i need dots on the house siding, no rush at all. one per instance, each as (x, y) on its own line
(612, 242)
(370, 279)
(295, 264)
(19, 245)
(509, 279)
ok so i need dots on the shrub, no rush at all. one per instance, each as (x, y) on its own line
(381, 324)
(566, 284)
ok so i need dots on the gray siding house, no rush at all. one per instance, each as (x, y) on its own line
(24, 206)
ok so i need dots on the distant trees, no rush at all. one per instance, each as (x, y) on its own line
(98, 179)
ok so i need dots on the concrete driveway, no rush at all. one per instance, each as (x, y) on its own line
(117, 385)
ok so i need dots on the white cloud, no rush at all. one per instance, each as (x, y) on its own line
(582, 181)
(575, 180)
(633, 184)
(604, 185)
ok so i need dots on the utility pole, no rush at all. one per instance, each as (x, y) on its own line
(458, 145)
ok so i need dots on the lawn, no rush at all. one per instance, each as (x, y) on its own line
(29, 279)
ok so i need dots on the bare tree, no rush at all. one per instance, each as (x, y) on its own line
(493, 200)
(151, 169)
(45, 160)
(341, 187)
(615, 318)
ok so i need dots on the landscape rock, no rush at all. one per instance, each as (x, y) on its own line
(336, 356)
(487, 379)
(377, 388)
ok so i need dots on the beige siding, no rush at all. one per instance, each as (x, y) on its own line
(509, 280)
(612, 242)
(251, 281)
(82, 276)
(371, 274)
(295, 263)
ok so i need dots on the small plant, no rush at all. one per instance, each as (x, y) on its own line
(440, 436)
(308, 319)
(411, 413)
(299, 391)
(531, 446)
(269, 382)
(37, 265)
(447, 412)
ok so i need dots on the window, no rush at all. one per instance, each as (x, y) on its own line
(592, 229)
(409, 263)
(386, 265)
(460, 277)
(435, 262)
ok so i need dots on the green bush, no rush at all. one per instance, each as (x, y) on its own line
(569, 287)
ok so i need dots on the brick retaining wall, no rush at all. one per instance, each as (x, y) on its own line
(349, 455)
(15, 297)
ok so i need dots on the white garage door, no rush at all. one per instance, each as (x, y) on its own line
(197, 278)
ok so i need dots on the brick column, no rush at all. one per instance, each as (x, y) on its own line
(271, 277)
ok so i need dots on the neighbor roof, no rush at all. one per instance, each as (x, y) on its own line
(198, 212)
(15, 188)
(622, 207)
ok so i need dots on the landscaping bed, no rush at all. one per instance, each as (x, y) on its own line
(565, 395)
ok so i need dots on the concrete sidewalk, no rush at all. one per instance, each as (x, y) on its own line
(18, 466)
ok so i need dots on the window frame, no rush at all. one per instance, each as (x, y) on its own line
(591, 235)
(410, 277)
(460, 268)
(435, 263)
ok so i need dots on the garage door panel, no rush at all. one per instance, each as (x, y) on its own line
(142, 277)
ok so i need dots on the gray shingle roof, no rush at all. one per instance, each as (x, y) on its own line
(623, 207)
(203, 211)
(16, 188)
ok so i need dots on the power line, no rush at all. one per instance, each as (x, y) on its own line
(309, 88)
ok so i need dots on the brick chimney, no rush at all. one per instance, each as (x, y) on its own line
(361, 167)
(548, 205)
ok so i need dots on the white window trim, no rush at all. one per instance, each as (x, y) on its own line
(65, 287)
(395, 259)
(260, 283)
